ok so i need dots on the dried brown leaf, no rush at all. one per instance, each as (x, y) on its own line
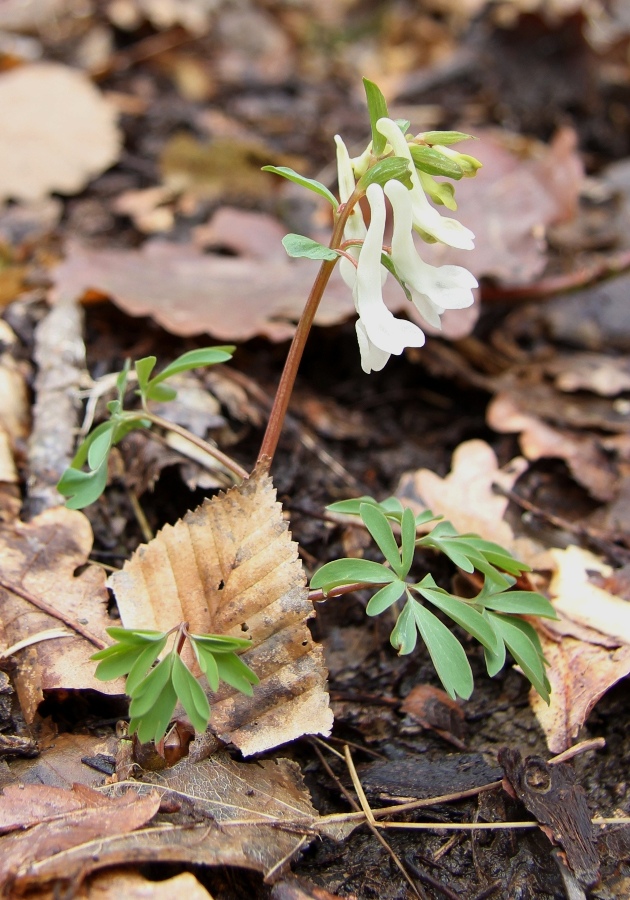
(42, 557)
(230, 567)
(58, 131)
(100, 818)
(588, 463)
(64, 761)
(112, 885)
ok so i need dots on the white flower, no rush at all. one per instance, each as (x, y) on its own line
(425, 217)
(433, 288)
(378, 331)
(355, 226)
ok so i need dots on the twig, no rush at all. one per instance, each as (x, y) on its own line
(50, 611)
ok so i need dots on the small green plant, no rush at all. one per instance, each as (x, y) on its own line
(83, 488)
(493, 617)
(154, 692)
(398, 169)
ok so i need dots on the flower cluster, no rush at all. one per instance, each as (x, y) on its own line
(432, 289)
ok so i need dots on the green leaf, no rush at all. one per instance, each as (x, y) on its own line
(435, 163)
(445, 137)
(404, 636)
(388, 263)
(118, 661)
(459, 611)
(221, 643)
(353, 507)
(143, 368)
(234, 672)
(393, 168)
(349, 571)
(121, 381)
(152, 726)
(425, 517)
(196, 359)
(447, 654)
(495, 660)
(208, 665)
(496, 554)
(100, 447)
(148, 691)
(299, 246)
(377, 109)
(526, 603)
(380, 529)
(524, 652)
(137, 636)
(308, 183)
(145, 659)
(191, 695)
(82, 488)
(80, 457)
(161, 393)
(385, 598)
(408, 540)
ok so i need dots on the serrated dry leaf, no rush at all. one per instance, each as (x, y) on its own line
(230, 567)
(57, 131)
(467, 499)
(41, 557)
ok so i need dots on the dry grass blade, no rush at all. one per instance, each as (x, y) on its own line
(230, 567)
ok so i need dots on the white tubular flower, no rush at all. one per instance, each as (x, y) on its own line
(425, 217)
(355, 227)
(433, 288)
(378, 331)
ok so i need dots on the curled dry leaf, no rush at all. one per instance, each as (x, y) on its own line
(112, 885)
(230, 567)
(57, 131)
(42, 557)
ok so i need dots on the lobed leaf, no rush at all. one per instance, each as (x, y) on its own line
(524, 651)
(404, 636)
(385, 598)
(147, 692)
(234, 672)
(208, 665)
(447, 654)
(408, 540)
(145, 659)
(191, 695)
(526, 603)
(380, 529)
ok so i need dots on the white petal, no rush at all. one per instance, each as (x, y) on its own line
(433, 288)
(355, 226)
(382, 328)
(425, 217)
(372, 359)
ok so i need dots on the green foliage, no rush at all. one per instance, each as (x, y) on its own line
(83, 488)
(297, 245)
(377, 109)
(155, 690)
(308, 183)
(385, 170)
(492, 617)
(435, 163)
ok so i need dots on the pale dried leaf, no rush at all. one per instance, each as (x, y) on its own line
(467, 499)
(575, 596)
(112, 885)
(580, 673)
(603, 374)
(230, 567)
(60, 763)
(24, 805)
(41, 557)
(57, 131)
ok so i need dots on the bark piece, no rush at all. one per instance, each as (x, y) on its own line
(559, 805)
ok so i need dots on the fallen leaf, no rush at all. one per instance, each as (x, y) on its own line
(58, 131)
(99, 818)
(63, 762)
(41, 558)
(24, 805)
(467, 499)
(580, 673)
(230, 567)
(602, 374)
(588, 463)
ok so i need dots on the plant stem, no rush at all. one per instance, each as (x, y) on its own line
(287, 379)
(221, 457)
